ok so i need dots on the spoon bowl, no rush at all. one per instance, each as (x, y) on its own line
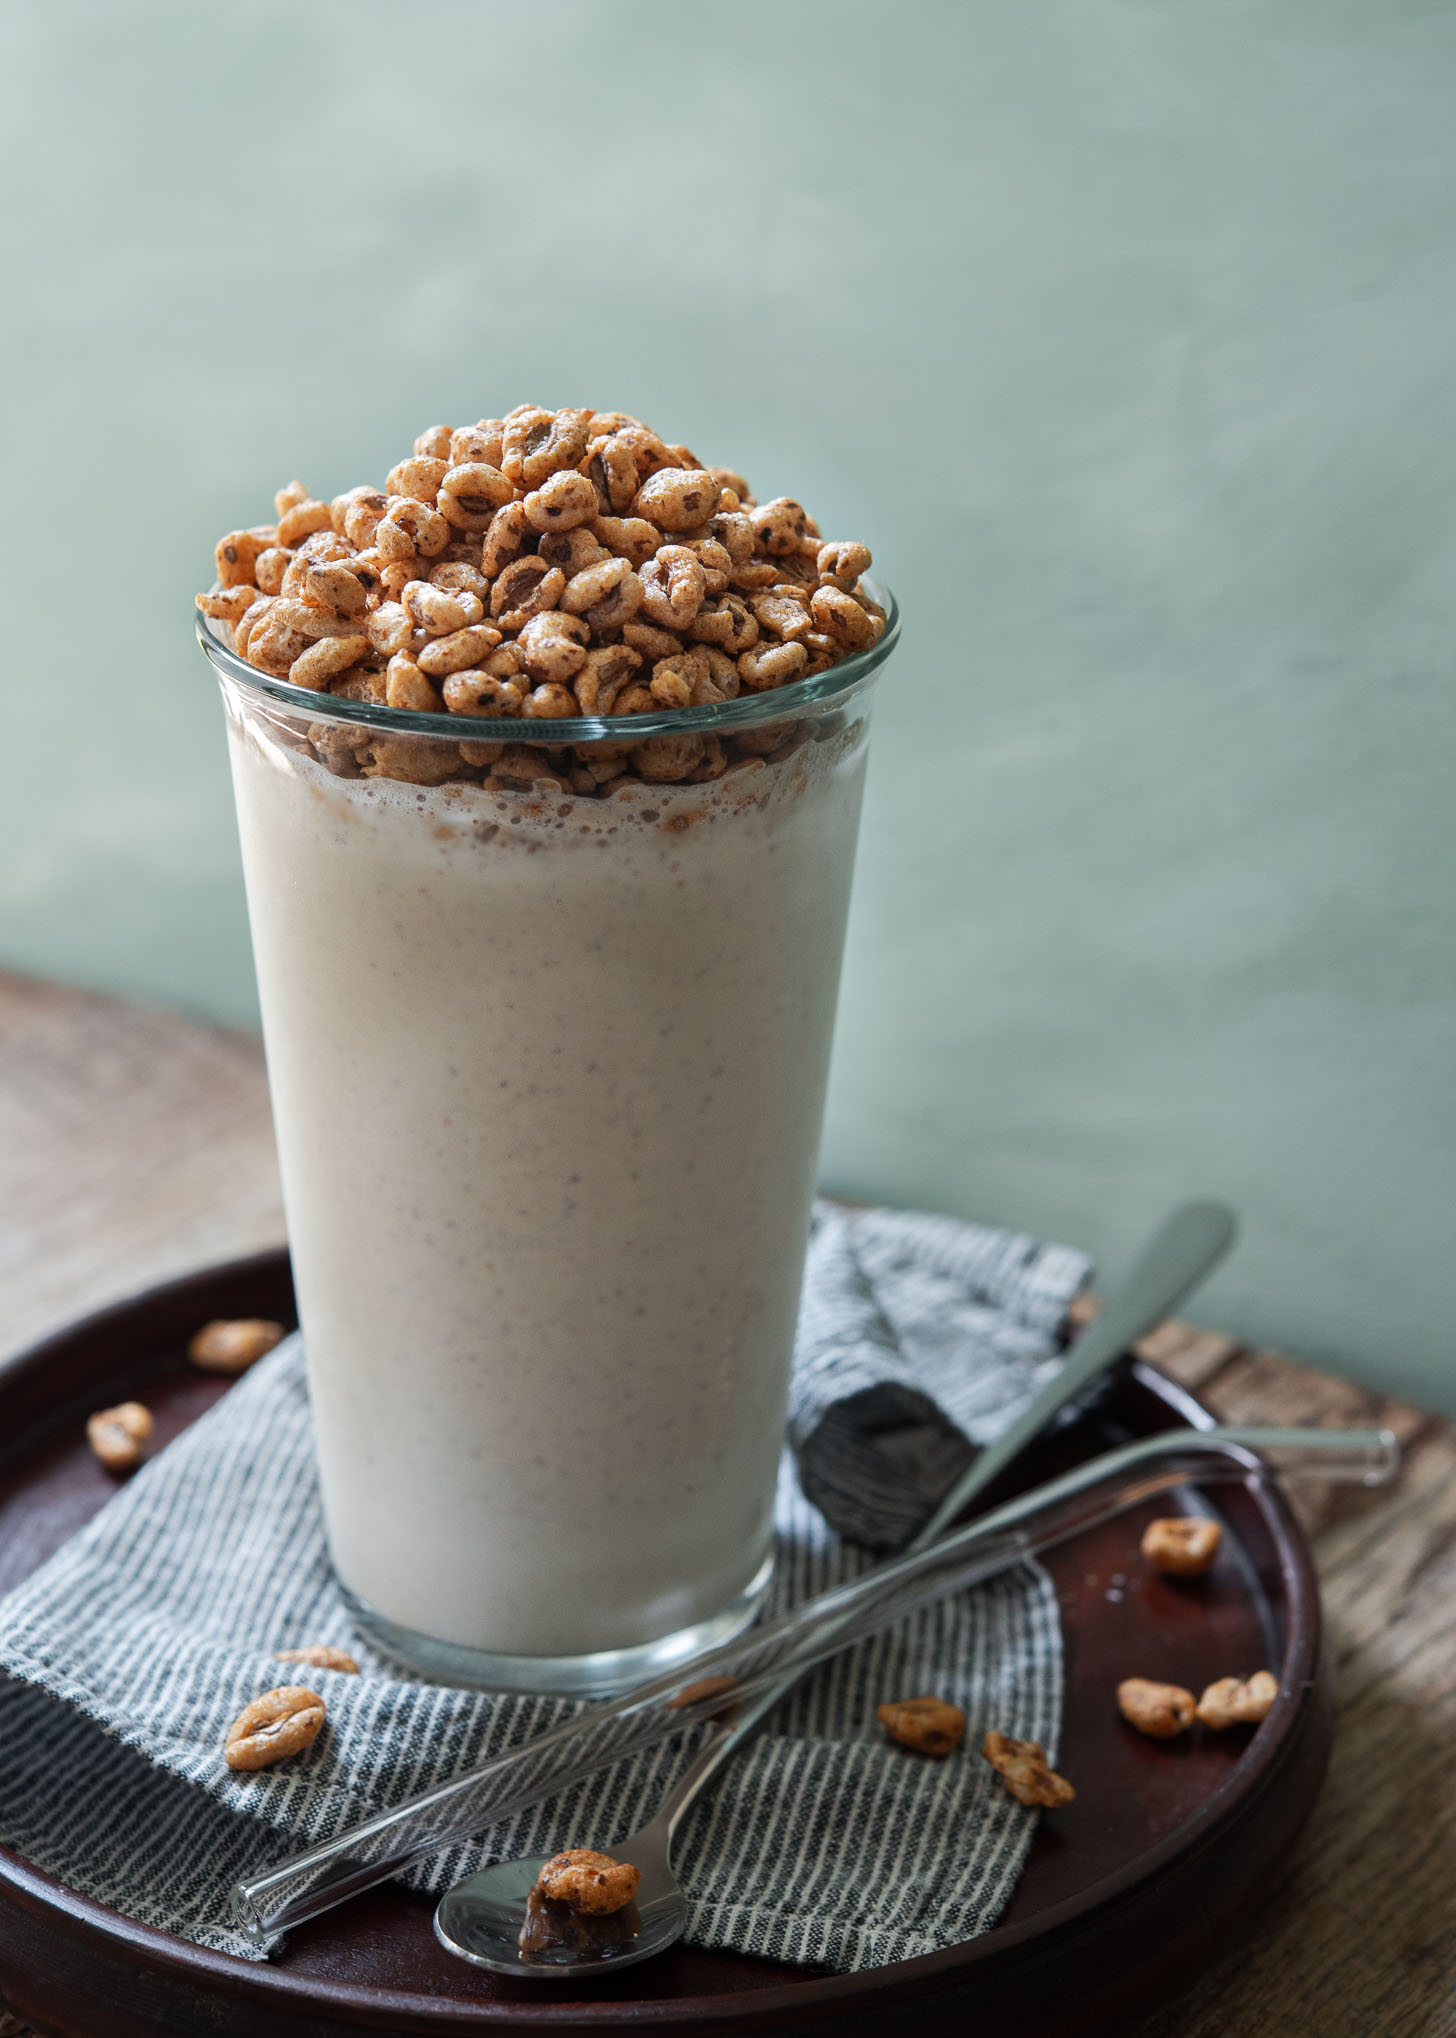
(480, 1919)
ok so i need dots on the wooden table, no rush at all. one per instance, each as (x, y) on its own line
(135, 1144)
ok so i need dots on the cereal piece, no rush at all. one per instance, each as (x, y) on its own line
(275, 643)
(756, 576)
(563, 502)
(230, 605)
(362, 518)
(843, 563)
(553, 647)
(931, 1726)
(274, 1727)
(477, 445)
(482, 754)
(1183, 1544)
(771, 665)
(602, 677)
(649, 640)
(230, 1344)
(248, 622)
(236, 555)
(1238, 1701)
(462, 648)
(504, 537)
(319, 1656)
(415, 760)
(420, 477)
(600, 586)
(405, 686)
(729, 623)
(117, 1434)
(389, 629)
(435, 443)
(631, 538)
(270, 567)
(781, 617)
(1023, 1767)
(437, 610)
(673, 587)
(669, 685)
(481, 693)
(408, 528)
(573, 551)
(550, 702)
(525, 588)
(611, 470)
(538, 443)
(302, 519)
(589, 1881)
(704, 1687)
(471, 493)
(459, 577)
(334, 587)
(677, 499)
(665, 760)
(1160, 1710)
(326, 659)
(778, 526)
(840, 616)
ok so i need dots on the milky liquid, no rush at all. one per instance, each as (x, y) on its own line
(548, 1079)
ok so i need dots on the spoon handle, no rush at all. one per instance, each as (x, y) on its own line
(1185, 1247)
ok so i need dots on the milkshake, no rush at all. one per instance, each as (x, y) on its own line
(547, 1044)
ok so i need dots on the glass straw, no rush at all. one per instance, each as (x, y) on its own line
(779, 1651)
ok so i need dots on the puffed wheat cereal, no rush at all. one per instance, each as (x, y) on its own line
(1183, 1544)
(588, 1881)
(931, 1726)
(1159, 1710)
(1022, 1766)
(274, 1727)
(1238, 1701)
(232, 1344)
(546, 565)
(117, 1435)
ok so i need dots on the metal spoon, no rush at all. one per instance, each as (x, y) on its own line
(481, 1917)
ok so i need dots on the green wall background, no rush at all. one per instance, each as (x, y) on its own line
(1124, 330)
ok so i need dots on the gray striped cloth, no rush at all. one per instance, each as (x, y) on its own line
(123, 1660)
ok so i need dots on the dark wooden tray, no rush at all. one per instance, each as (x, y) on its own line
(1126, 1893)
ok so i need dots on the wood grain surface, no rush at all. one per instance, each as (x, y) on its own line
(135, 1144)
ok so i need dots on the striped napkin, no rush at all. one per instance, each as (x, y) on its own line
(124, 1658)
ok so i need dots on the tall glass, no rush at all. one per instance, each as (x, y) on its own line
(548, 1077)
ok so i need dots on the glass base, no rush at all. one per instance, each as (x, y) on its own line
(599, 1675)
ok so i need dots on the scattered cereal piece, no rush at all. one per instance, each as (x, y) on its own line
(117, 1434)
(588, 1881)
(319, 1656)
(232, 1344)
(931, 1726)
(706, 1687)
(1183, 1544)
(1161, 1710)
(1238, 1701)
(273, 1727)
(1023, 1767)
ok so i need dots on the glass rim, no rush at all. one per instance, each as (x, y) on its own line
(746, 712)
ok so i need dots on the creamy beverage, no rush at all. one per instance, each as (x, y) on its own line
(547, 1077)
(548, 758)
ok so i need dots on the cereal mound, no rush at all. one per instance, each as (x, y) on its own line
(545, 564)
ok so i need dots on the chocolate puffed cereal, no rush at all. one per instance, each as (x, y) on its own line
(533, 567)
